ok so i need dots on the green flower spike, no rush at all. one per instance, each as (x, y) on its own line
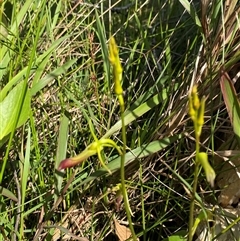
(117, 78)
(196, 110)
(117, 67)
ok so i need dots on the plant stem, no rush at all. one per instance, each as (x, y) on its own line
(122, 170)
(194, 190)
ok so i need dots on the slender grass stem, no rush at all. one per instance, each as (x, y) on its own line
(194, 190)
(122, 170)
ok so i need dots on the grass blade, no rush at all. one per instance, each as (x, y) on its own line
(46, 80)
(130, 116)
(189, 8)
(231, 102)
(25, 167)
(61, 151)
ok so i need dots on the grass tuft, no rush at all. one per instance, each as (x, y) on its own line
(56, 77)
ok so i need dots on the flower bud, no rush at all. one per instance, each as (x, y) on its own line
(202, 158)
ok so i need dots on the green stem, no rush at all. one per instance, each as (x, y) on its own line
(122, 171)
(194, 190)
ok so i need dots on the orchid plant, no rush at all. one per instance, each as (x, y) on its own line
(96, 147)
(196, 112)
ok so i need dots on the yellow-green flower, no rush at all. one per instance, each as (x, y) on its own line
(94, 148)
(202, 158)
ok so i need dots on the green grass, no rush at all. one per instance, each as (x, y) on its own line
(55, 57)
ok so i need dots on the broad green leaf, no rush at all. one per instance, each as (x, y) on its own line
(5, 192)
(8, 110)
(175, 238)
(17, 78)
(231, 102)
(179, 236)
(41, 62)
(61, 151)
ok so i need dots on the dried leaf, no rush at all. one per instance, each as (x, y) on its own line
(222, 218)
(228, 181)
(122, 231)
(5, 192)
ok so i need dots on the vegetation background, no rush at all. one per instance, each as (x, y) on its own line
(55, 76)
